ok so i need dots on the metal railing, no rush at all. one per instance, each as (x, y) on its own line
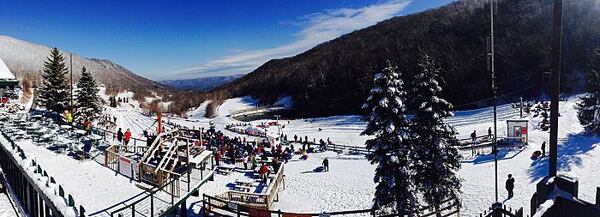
(150, 204)
(30, 197)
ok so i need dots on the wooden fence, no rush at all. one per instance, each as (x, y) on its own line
(222, 207)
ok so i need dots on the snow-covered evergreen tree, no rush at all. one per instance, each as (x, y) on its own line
(589, 107)
(438, 162)
(88, 105)
(385, 114)
(54, 91)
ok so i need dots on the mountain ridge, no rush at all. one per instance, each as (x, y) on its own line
(23, 57)
(334, 77)
(202, 84)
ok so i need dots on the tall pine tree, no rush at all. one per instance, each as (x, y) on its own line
(390, 148)
(438, 162)
(88, 105)
(54, 91)
(589, 107)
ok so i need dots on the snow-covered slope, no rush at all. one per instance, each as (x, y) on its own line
(24, 57)
(349, 184)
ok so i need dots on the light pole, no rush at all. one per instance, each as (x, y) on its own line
(278, 126)
(555, 84)
(494, 91)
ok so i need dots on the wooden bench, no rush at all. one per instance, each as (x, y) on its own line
(242, 188)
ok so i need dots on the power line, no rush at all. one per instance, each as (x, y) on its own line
(501, 95)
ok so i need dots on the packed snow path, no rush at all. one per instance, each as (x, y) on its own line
(133, 120)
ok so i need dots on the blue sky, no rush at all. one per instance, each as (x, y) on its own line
(189, 39)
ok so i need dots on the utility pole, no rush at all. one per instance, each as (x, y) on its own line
(521, 107)
(495, 92)
(278, 126)
(555, 84)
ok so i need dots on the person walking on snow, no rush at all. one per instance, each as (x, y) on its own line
(473, 138)
(326, 164)
(264, 172)
(510, 185)
(490, 133)
(120, 136)
(543, 148)
(127, 137)
(217, 158)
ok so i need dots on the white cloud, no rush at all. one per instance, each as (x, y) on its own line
(317, 28)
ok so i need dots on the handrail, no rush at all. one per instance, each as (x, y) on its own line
(207, 200)
(194, 190)
(166, 157)
(47, 200)
(151, 193)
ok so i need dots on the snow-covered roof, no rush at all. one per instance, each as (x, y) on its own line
(4, 71)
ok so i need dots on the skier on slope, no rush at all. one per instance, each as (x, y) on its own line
(326, 164)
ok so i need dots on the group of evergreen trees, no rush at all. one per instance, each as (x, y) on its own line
(416, 161)
(54, 92)
(589, 107)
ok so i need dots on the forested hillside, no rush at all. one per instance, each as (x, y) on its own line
(334, 77)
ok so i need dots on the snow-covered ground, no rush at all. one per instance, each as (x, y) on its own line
(577, 154)
(133, 120)
(92, 185)
(6, 209)
(349, 184)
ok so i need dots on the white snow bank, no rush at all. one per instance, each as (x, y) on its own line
(4, 71)
(235, 104)
(6, 209)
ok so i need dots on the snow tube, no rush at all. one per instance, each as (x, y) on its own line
(536, 154)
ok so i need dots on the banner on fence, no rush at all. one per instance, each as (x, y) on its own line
(259, 212)
(125, 167)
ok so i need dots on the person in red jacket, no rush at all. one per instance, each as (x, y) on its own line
(217, 158)
(127, 136)
(264, 172)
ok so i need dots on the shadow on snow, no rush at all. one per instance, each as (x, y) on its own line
(570, 153)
